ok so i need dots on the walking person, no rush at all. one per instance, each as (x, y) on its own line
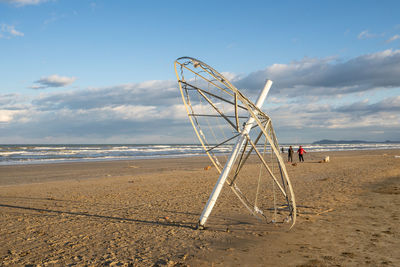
(301, 152)
(290, 154)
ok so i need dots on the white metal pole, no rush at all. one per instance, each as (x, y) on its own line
(232, 158)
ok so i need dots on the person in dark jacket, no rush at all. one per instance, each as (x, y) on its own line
(301, 152)
(290, 154)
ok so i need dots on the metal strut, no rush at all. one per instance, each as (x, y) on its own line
(231, 160)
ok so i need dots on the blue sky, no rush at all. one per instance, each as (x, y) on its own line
(102, 71)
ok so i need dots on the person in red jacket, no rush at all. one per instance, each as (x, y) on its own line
(301, 151)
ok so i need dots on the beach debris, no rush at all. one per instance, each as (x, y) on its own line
(398, 157)
(325, 211)
(325, 160)
(294, 164)
(232, 130)
(184, 256)
(207, 168)
(165, 219)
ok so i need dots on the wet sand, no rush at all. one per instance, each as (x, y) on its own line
(143, 213)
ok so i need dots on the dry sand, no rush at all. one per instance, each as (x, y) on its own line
(143, 213)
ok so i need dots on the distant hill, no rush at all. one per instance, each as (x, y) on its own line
(327, 141)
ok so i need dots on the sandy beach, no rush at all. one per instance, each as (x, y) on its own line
(144, 213)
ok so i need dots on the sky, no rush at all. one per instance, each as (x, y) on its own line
(86, 71)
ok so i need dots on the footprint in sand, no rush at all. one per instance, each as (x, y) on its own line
(348, 254)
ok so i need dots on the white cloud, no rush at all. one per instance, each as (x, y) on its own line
(9, 31)
(5, 115)
(53, 81)
(14, 32)
(37, 87)
(371, 120)
(20, 3)
(145, 93)
(11, 115)
(361, 114)
(393, 38)
(367, 35)
(389, 104)
(125, 112)
(302, 102)
(304, 121)
(9, 99)
(328, 76)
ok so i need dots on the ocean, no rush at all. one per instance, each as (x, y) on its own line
(36, 154)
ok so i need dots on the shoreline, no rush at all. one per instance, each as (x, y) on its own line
(143, 213)
(39, 172)
(54, 154)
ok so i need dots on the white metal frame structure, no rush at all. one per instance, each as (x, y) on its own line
(213, 103)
